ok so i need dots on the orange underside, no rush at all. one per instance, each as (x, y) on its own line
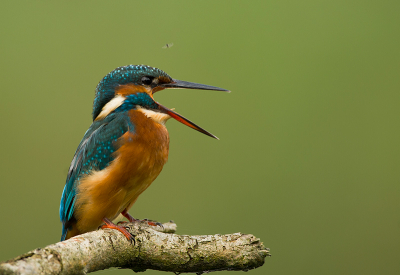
(139, 160)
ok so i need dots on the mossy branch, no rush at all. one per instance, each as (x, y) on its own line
(154, 248)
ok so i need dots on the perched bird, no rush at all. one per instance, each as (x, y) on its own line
(123, 151)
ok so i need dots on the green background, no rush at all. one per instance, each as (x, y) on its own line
(309, 154)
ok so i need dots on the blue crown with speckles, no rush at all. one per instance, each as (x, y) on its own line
(105, 90)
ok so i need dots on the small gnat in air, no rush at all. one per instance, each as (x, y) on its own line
(168, 45)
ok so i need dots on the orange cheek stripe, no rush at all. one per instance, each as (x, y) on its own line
(129, 89)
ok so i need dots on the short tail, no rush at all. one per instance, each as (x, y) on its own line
(69, 230)
(64, 233)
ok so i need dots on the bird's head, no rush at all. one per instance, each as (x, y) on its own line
(133, 86)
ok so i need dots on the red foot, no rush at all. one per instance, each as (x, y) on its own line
(132, 219)
(109, 224)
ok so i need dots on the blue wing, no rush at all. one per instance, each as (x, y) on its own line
(95, 152)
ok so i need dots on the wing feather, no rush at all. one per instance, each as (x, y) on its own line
(94, 153)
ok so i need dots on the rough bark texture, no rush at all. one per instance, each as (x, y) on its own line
(153, 248)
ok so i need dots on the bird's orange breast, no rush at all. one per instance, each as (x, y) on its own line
(139, 160)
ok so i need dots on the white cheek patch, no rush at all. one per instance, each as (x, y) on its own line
(111, 106)
(160, 118)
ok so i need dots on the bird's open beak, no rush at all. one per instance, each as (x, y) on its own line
(179, 84)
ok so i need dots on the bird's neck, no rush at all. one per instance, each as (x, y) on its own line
(149, 128)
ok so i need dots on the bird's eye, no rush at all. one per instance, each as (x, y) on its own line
(146, 80)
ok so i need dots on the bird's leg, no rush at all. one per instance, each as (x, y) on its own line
(109, 224)
(129, 217)
(132, 219)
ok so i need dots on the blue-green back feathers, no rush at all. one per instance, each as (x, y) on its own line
(95, 152)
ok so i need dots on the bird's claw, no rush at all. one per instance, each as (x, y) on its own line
(153, 223)
(122, 229)
(149, 222)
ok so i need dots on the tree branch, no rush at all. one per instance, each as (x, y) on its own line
(153, 248)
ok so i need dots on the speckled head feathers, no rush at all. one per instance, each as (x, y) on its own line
(122, 75)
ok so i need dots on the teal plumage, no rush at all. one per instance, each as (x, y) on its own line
(105, 90)
(95, 152)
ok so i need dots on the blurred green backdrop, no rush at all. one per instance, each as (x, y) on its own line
(309, 153)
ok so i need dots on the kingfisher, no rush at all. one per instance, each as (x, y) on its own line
(123, 151)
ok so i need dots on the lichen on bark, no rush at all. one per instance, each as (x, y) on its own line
(153, 248)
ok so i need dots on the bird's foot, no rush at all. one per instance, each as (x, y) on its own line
(111, 225)
(132, 219)
(153, 223)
